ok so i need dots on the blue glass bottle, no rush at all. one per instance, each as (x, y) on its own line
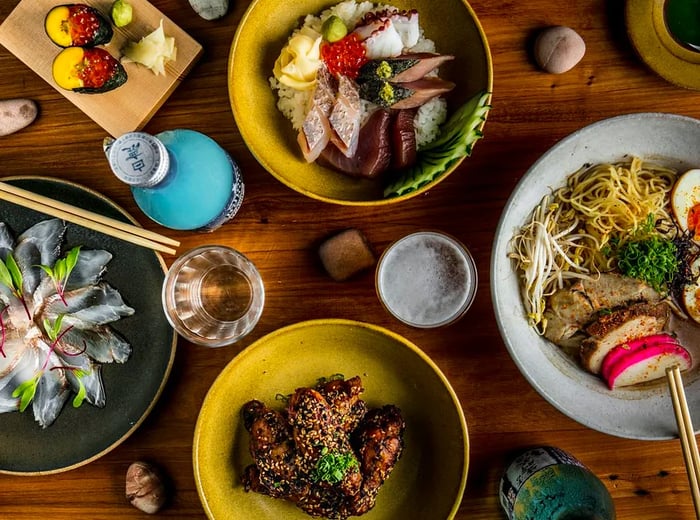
(181, 178)
(547, 483)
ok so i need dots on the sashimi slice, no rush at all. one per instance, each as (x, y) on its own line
(346, 116)
(647, 364)
(87, 307)
(88, 270)
(53, 389)
(7, 241)
(102, 344)
(91, 377)
(620, 351)
(315, 131)
(38, 245)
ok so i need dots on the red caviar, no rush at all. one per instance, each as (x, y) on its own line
(83, 24)
(344, 57)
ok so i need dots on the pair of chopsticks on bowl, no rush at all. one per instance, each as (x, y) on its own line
(88, 219)
(686, 434)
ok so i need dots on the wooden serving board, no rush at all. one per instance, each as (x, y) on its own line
(128, 107)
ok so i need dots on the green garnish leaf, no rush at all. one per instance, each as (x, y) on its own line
(15, 273)
(5, 276)
(456, 140)
(332, 466)
(652, 260)
(61, 270)
(52, 329)
(26, 391)
(82, 392)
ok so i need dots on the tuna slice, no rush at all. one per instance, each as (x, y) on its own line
(373, 155)
(315, 131)
(403, 139)
(619, 327)
(345, 117)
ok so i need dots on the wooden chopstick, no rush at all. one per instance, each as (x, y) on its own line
(686, 433)
(88, 219)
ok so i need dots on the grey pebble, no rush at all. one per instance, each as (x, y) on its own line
(210, 9)
(558, 49)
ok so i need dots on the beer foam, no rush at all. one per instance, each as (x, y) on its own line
(426, 279)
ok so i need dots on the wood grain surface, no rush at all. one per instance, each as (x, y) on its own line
(279, 230)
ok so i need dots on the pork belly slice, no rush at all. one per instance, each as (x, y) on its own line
(619, 327)
(569, 310)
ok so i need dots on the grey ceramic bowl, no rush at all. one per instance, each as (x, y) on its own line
(638, 413)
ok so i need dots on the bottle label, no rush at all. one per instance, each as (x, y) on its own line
(234, 201)
(526, 465)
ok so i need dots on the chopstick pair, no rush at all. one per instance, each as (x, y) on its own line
(686, 434)
(88, 219)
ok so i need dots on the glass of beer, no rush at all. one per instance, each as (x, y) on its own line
(426, 279)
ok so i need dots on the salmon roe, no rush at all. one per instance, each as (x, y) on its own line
(83, 24)
(97, 68)
(344, 57)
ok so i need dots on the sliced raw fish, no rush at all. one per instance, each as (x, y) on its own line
(53, 389)
(346, 117)
(373, 155)
(88, 270)
(403, 68)
(102, 344)
(403, 139)
(87, 307)
(421, 91)
(316, 129)
(7, 241)
(91, 378)
(40, 244)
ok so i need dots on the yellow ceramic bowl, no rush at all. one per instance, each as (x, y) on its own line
(260, 37)
(429, 479)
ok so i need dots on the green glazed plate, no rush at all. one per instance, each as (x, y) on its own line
(429, 479)
(260, 37)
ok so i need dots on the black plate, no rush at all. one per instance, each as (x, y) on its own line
(81, 435)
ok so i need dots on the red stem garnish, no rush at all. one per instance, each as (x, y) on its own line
(2, 331)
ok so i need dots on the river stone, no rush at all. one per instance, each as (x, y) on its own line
(210, 9)
(15, 114)
(558, 49)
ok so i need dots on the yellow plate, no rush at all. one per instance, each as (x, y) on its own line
(260, 37)
(429, 479)
(647, 30)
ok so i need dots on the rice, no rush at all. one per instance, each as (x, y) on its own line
(294, 103)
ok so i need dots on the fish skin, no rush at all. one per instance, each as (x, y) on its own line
(422, 91)
(87, 307)
(104, 345)
(7, 241)
(426, 62)
(345, 118)
(315, 131)
(40, 244)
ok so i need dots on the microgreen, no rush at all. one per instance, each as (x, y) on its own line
(3, 333)
(11, 277)
(332, 466)
(61, 270)
(26, 390)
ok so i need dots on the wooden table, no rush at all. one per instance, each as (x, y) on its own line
(278, 229)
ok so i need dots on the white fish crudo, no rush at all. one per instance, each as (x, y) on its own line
(55, 313)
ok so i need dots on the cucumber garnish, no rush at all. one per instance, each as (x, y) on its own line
(456, 140)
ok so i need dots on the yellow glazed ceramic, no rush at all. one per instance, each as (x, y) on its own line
(646, 26)
(429, 479)
(260, 37)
